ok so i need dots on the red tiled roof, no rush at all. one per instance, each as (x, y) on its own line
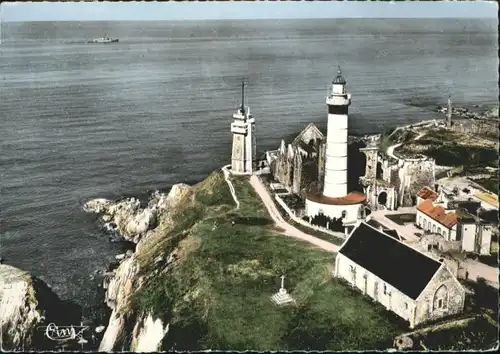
(349, 199)
(438, 213)
(427, 193)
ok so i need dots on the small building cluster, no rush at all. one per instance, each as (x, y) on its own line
(459, 223)
(310, 181)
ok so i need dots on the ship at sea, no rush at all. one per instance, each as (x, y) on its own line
(104, 39)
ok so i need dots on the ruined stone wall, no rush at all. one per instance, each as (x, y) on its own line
(443, 284)
(371, 156)
(411, 176)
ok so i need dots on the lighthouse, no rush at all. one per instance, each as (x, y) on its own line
(335, 201)
(338, 101)
(243, 160)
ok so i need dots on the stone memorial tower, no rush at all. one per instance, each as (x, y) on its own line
(243, 159)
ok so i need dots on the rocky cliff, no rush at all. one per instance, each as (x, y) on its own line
(27, 303)
(157, 230)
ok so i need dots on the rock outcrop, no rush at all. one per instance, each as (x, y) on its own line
(128, 330)
(126, 216)
(27, 303)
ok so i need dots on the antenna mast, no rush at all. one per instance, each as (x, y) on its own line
(243, 96)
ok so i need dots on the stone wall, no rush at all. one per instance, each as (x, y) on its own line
(407, 176)
(442, 284)
(372, 286)
(293, 215)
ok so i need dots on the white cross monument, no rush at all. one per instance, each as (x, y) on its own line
(282, 297)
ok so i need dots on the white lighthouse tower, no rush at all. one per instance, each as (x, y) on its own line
(335, 201)
(338, 101)
(243, 160)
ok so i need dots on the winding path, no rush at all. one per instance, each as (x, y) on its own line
(289, 230)
(231, 187)
(390, 149)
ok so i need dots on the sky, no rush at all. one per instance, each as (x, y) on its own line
(124, 11)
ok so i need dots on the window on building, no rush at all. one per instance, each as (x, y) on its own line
(441, 298)
(385, 289)
(425, 224)
(343, 214)
(439, 230)
(433, 228)
(406, 305)
(440, 303)
(420, 220)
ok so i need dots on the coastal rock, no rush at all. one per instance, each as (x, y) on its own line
(97, 206)
(99, 329)
(128, 219)
(19, 312)
(150, 333)
(128, 330)
(26, 303)
(119, 287)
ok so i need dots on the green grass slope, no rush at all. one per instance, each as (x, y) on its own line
(217, 295)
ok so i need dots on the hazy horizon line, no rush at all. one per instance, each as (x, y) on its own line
(267, 19)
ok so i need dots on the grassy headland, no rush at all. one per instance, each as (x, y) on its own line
(217, 295)
(450, 148)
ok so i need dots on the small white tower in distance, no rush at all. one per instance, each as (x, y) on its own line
(448, 121)
(243, 160)
(338, 102)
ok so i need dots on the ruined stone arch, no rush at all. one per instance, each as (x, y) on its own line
(382, 198)
(440, 298)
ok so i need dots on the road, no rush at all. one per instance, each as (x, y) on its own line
(480, 270)
(289, 230)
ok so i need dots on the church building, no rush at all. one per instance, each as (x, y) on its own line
(407, 282)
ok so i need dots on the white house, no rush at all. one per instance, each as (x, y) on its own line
(436, 219)
(469, 232)
(407, 282)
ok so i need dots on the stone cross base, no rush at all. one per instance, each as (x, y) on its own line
(282, 298)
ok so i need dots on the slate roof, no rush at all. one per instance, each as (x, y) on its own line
(438, 213)
(393, 233)
(399, 265)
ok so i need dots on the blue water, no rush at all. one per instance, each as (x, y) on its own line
(80, 120)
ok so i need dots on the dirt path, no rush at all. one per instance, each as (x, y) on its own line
(231, 187)
(261, 190)
(480, 270)
(390, 149)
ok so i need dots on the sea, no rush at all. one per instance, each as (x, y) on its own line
(80, 121)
